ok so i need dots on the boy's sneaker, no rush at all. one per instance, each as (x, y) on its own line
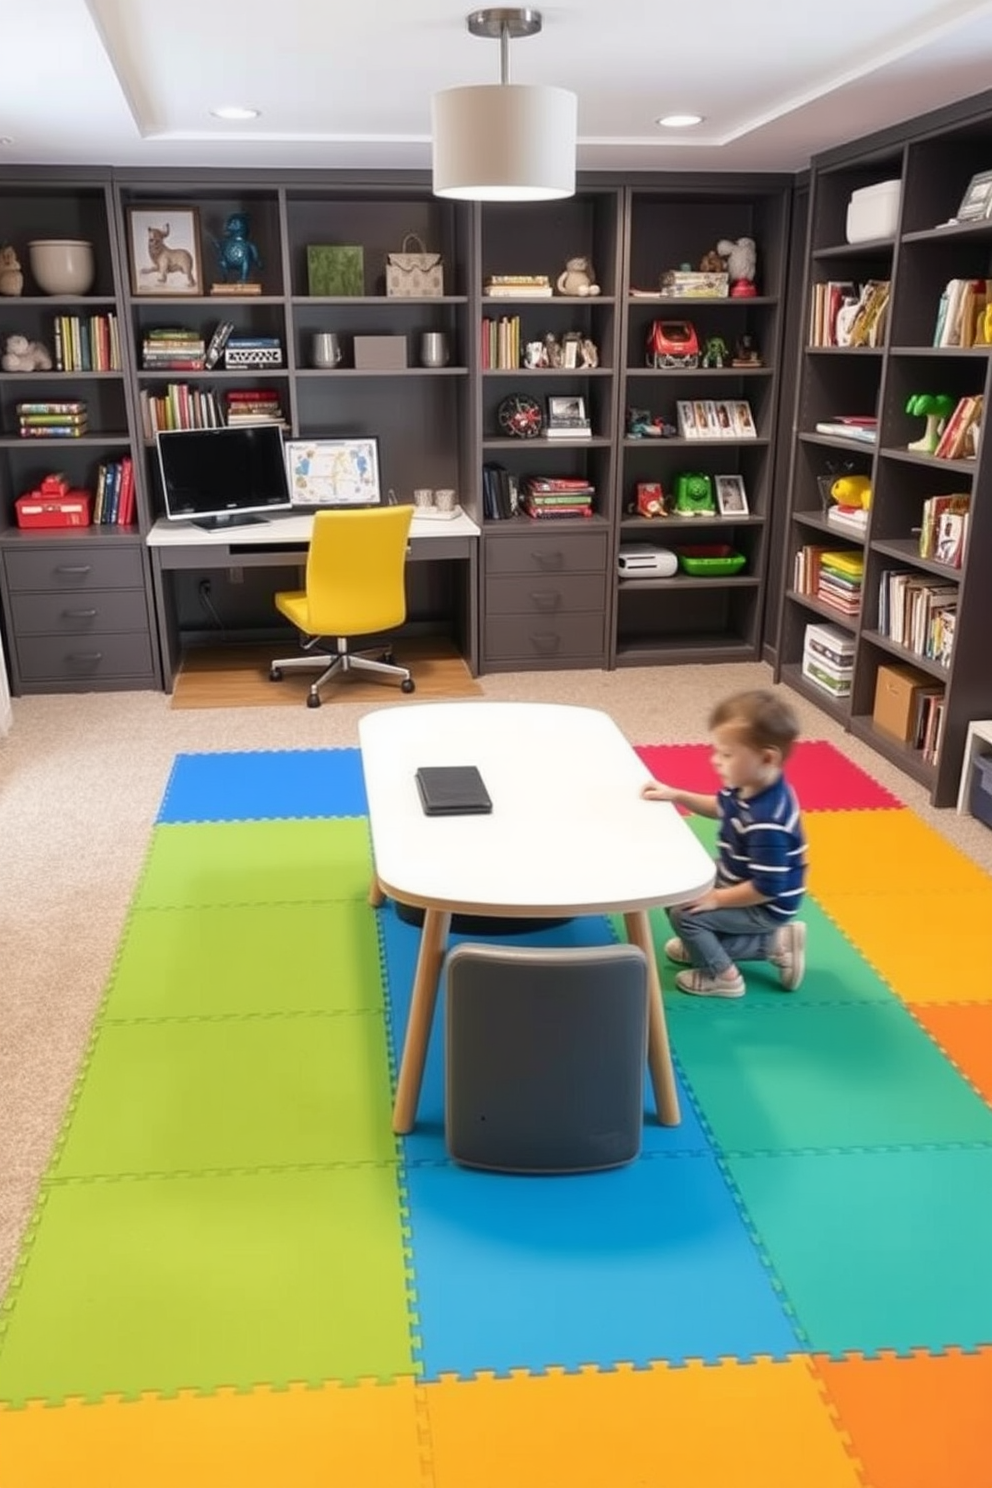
(788, 953)
(676, 951)
(701, 984)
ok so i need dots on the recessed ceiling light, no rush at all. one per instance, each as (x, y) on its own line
(235, 111)
(680, 121)
(6, 139)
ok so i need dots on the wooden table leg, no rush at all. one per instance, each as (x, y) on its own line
(638, 927)
(376, 896)
(433, 943)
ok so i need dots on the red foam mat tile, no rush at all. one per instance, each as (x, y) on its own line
(823, 779)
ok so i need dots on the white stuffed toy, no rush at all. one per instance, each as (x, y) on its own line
(742, 262)
(22, 355)
(577, 278)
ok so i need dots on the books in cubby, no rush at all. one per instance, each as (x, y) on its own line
(173, 349)
(945, 528)
(833, 577)
(545, 497)
(501, 343)
(87, 343)
(178, 407)
(254, 406)
(959, 438)
(66, 420)
(845, 314)
(961, 313)
(113, 505)
(860, 427)
(918, 612)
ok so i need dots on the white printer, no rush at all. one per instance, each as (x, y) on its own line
(644, 561)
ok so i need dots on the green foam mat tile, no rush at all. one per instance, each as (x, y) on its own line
(194, 1095)
(877, 1250)
(268, 862)
(260, 958)
(792, 1077)
(156, 1284)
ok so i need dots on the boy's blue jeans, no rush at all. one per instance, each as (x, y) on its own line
(716, 938)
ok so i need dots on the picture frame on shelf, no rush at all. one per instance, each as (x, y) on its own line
(976, 204)
(566, 416)
(163, 249)
(731, 497)
(334, 472)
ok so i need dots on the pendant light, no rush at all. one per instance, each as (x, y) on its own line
(500, 141)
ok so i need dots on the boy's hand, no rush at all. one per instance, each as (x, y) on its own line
(707, 901)
(655, 791)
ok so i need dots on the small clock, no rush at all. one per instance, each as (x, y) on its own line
(520, 417)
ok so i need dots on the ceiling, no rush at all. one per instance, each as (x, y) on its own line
(132, 82)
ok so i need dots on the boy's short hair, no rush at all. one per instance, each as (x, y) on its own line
(764, 720)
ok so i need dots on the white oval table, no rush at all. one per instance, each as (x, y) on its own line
(568, 835)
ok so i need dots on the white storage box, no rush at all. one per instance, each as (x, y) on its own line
(873, 212)
(828, 658)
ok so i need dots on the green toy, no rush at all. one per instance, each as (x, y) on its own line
(694, 494)
(715, 352)
(935, 408)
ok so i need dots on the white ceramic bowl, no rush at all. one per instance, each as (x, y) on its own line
(62, 266)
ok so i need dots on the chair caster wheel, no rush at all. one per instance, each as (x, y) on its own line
(313, 701)
(407, 685)
(275, 674)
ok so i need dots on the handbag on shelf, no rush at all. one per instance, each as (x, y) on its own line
(414, 275)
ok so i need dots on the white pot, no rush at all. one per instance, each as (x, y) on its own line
(62, 266)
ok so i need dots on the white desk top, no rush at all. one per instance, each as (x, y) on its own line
(290, 529)
(568, 831)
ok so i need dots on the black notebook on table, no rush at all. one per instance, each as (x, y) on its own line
(452, 790)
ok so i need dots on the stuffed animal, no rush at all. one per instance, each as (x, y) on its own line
(852, 490)
(742, 261)
(11, 278)
(577, 278)
(712, 263)
(22, 355)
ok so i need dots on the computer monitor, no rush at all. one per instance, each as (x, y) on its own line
(220, 478)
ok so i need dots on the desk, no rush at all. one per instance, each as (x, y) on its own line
(282, 542)
(568, 834)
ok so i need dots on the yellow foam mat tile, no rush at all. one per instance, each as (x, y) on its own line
(756, 1425)
(929, 946)
(362, 1436)
(890, 852)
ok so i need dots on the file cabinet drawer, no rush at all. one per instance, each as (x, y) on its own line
(90, 659)
(546, 639)
(79, 566)
(96, 611)
(545, 595)
(547, 553)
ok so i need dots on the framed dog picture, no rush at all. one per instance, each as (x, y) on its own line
(163, 246)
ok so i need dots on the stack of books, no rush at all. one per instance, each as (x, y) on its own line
(173, 349)
(840, 579)
(859, 427)
(546, 496)
(52, 420)
(254, 406)
(518, 286)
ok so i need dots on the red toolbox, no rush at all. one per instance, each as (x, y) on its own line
(54, 505)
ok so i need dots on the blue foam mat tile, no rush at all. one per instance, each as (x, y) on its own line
(426, 1144)
(648, 1262)
(259, 785)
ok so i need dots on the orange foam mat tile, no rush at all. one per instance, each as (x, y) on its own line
(886, 852)
(964, 1033)
(758, 1425)
(358, 1436)
(918, 1420)
(931, 946)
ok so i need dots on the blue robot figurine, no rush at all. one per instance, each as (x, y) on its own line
(235, 251)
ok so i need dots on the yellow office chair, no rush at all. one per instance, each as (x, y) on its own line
(354, 587)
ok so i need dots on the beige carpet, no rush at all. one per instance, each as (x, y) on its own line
(238, 677)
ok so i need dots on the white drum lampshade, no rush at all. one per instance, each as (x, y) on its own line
(504, 142)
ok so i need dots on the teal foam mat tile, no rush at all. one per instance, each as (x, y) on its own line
(227, 960)
(190, 1096)
(160, 1284)
(878, 1250)
(814, 1077)
(256, 863)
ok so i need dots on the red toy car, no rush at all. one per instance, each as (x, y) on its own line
(672, 343)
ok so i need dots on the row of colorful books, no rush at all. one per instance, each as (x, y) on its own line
(918, 612)
(87, 343)
(181, 406)
(113, 504)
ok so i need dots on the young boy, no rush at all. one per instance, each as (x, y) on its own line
(749, 914)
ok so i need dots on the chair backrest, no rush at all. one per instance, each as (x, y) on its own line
(545, 1051)
(355, 581)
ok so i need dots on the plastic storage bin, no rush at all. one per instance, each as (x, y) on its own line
(980, 798)
(710, 560)
(873, 212)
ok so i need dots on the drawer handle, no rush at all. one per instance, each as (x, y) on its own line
(79, 614)
(74, 568)
(85, 658)
(550, 562)
(545, 643)
(546, 600)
